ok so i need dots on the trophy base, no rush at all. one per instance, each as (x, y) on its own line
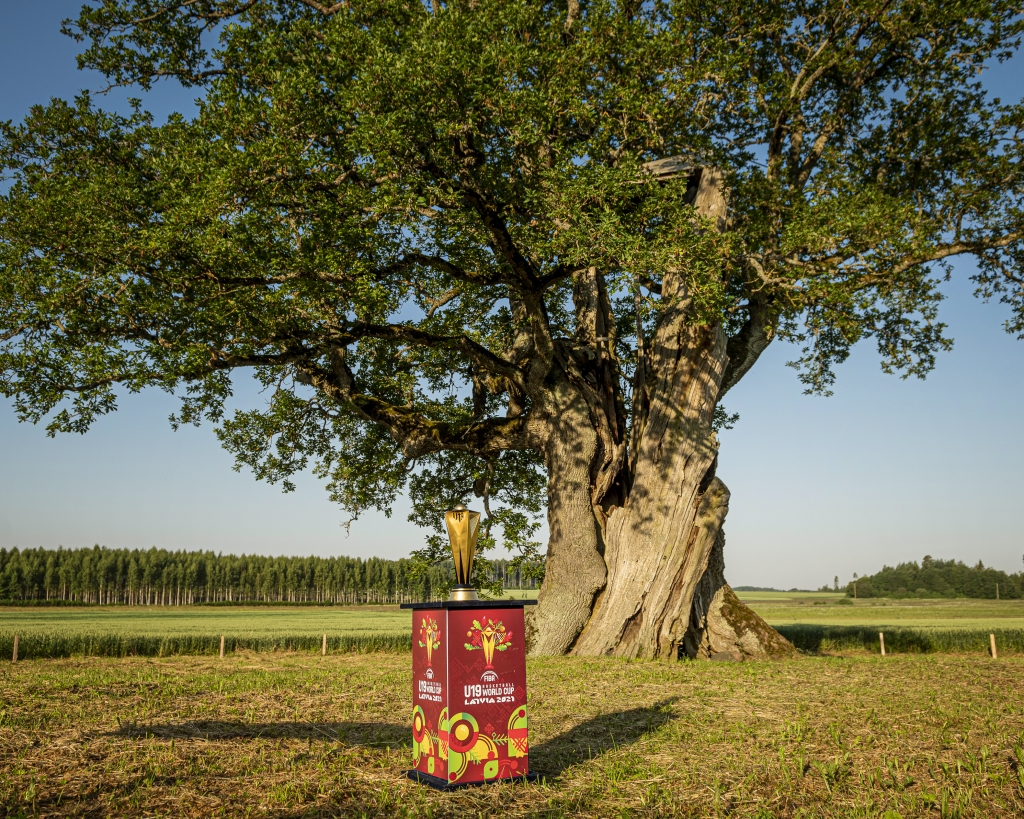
(464, 593)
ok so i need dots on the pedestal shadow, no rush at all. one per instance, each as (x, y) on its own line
(588, 740)
(368, 734)
(597, 736)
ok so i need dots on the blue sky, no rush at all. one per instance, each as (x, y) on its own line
(883, 471)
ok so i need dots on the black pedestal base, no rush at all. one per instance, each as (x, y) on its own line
(439, 784)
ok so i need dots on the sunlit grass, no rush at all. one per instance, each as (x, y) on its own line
(294, 735)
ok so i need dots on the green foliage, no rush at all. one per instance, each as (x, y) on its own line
(940, 578)
(386, 212)
(158, 577)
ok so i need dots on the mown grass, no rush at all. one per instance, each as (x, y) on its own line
(299, 736)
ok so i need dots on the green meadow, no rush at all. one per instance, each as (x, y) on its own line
(786, 608)
(235, 621)
(778, 608)
(814, 622)
(109, 716)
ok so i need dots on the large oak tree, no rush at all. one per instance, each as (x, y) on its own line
(513, 249)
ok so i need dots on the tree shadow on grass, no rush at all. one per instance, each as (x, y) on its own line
(368, 734)
(597, 736)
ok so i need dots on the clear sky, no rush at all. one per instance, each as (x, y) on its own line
(883, 471)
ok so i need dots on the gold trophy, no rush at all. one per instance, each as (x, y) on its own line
(463, 530)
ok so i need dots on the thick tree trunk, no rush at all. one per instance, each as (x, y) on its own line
(633, 539)
(645, 579)
(659, 542)
(574, 567)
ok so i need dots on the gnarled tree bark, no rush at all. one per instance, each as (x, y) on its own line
(632, 566)
(574, 569)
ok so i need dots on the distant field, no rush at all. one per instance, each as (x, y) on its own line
(521, 594)
(817, 622)
(772, 596)
(243, 621)
(783, 609)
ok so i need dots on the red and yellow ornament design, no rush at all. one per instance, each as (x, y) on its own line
(489, 636)
(429, 636)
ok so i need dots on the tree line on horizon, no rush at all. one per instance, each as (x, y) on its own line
(938, 578)
(100, 575)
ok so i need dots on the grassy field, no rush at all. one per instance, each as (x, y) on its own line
(835, 623)
(817, 622)
(778, 608)
(158, 631)
(785, 609)
(241, 621)
(749, 596)
(299, 736)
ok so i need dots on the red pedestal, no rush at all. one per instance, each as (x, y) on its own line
(469, 720)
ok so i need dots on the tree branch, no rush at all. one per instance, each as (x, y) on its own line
(479, 354)
(418, 435)
(745, 348)
(325, 10)
(958, 248)
(437, 263)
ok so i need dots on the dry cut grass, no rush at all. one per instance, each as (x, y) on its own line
(297, 736)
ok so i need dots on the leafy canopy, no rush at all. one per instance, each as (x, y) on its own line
(382, 209)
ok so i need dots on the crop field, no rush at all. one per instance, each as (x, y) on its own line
(749, 596)
(241, 621)
(292, 735)
(815, 622)
(154, 631)
(782, 609)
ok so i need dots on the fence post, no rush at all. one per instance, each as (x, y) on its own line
(324, 649)
(881, 642)
(992, 641)
(222, 646)
(14, 657)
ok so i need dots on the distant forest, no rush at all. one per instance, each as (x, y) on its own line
(939, 578)
(157, 577)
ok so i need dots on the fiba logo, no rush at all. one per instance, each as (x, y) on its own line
(430, 673)
(490, 675)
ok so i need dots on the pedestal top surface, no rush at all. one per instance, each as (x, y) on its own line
(470, 604)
